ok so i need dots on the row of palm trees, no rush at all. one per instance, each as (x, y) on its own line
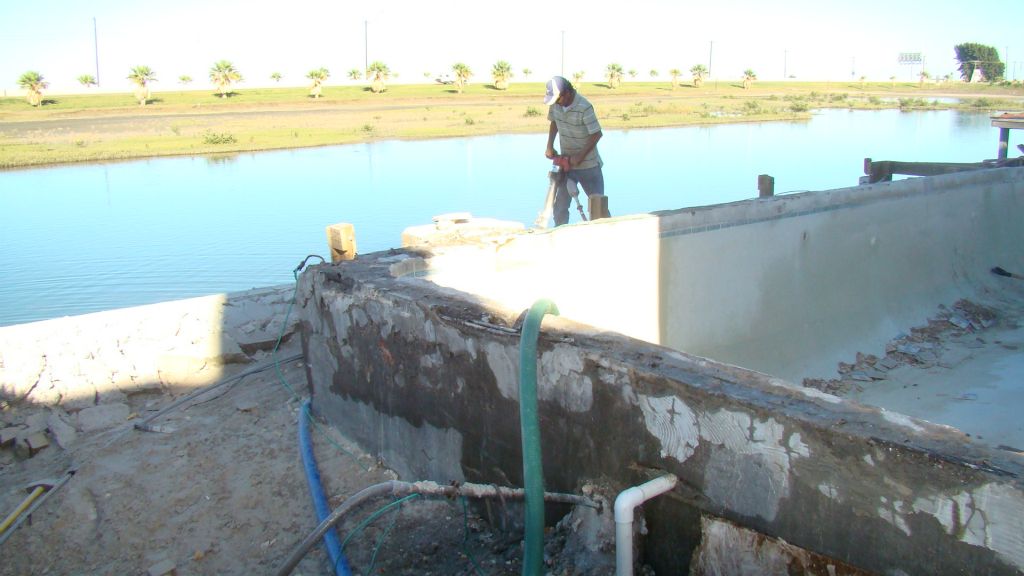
(223, 74)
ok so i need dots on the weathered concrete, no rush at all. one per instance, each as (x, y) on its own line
(426, 377)
(81, 361)
(789, 285)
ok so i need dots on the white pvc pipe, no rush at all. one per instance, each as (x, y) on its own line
(627, 500)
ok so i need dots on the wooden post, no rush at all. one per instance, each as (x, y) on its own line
(765, 186)
(341, 240)
(598, 206)
(1004, 143)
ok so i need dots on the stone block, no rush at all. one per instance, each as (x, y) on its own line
(102, 417)
(36, 442)
(63, 433)
(9, 435)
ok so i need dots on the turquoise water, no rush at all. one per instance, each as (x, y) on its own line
(84, 238)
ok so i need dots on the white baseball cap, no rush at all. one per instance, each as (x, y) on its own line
(556, 86)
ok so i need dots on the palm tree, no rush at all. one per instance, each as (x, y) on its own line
(141, 76)
(276, 76)
(355, 74)
(501, 71)
(748, 78)
(87, 80)
(892, 81)
(462, 74)
(632, 72)
(223, 74)
(526, 73)
(653, 73)
(184, 79)
(318, 76)
(675, 73)
(613, 72)
(378, 72)
(923, 77)
(699, 72)
(577, 76)
(34, 83)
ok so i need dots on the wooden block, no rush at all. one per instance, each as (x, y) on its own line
(341, 239)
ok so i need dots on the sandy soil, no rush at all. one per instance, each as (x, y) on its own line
(221, 489)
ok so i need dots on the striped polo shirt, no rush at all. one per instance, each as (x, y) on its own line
(575, 125)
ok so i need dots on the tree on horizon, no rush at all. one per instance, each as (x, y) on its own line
(87, 80)
(223, 74)
(318, 76)
(748, 78)
(275, 76)
(501, 72)
(972, 55)
(141, 76)
(378, 74)
(35, 84)
(462, 75)
(675, 74)
(699, 73)
(355, 74)
(613, 73)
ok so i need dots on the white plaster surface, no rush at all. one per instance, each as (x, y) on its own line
(991, 516)
(749, 470)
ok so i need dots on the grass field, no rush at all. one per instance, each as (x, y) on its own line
(95, 127)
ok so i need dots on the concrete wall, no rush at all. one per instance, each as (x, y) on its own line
(427, 378)
(81, 361)
(789, 285)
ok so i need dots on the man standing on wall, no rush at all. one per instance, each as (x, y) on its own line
(573, 118)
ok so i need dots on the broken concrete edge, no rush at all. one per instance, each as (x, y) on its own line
(76, 362)
(760, 391)
(421, 376)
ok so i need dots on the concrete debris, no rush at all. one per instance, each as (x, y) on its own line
(102, 417)
(923, 348)
(36, 442)
(960, 322)
(63, 433)
(9, 435)
(887, 363)
(165, 568)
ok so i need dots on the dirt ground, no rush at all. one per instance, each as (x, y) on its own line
(221, 489)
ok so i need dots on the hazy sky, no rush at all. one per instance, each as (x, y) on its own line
(811, 40)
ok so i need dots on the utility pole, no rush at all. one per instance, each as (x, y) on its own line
(96, 50)
(366, 49)
(785, 63)
(711, 50)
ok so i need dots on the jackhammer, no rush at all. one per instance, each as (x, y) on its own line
(557, 175)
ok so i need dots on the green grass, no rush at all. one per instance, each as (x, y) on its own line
(79, 127)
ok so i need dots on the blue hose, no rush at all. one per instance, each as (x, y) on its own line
(533, 472)
(316, 491)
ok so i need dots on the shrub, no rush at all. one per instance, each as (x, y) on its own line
(799, 107)
(218, 138)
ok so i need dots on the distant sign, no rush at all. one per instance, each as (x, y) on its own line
(910, 58)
